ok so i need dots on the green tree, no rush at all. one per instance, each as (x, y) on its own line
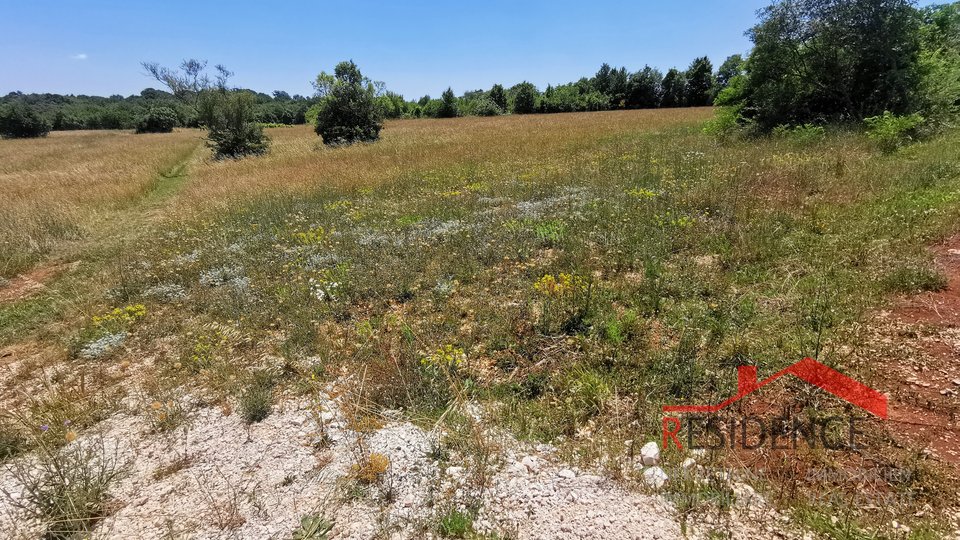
(348, 111)
(700, 82)
(231, 131)
(832, 60)
(20, 121)
(485, 106)
(940, 64)
(392, 105)
(525, 98)
(448, 106)
(157, 120)
(499, 97)
(645, 88)
(674, 89)
(730, 68)
(227, 114)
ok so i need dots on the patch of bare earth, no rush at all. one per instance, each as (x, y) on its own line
(916, 353)
(30, 283)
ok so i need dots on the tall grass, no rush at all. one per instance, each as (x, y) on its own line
(57, 188)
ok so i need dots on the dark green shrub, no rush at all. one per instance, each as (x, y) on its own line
(20, 121)
(229, 119)
(914, 279)
(448, 105)
(157, 120)
(499, 97)
(349, 111)
(804, 134)
(525, 98)
(725, 123)
(431, 109)
(873, 63)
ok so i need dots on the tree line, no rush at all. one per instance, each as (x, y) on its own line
(884, 64)
(72, 112)
(609, 89)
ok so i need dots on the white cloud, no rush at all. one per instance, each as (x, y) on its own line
(80, 56)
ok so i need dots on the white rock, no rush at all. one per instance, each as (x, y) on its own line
(567, 473)
(688, 463)
(655, 477)
(516, 469)
(650, 454)
(531, 463)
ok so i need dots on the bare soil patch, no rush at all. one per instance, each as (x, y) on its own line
(919, 363)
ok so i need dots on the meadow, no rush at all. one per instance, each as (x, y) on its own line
(569, 273)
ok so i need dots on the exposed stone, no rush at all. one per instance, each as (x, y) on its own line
(655, 477)
(650, 454)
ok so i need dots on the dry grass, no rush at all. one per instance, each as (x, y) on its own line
(299, 162)
(56, 189)
(576, 271)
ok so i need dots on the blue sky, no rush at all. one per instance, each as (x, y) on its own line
(416, 47)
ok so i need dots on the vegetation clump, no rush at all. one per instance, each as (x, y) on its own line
(157, 120)
(890, 131)
(67, 490)
(227, 113)
(348, 111)
(18, 121)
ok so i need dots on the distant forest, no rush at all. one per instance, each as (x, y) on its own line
(610, 88)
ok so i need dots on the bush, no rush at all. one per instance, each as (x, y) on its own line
(914, 279)
(157, 120)
(66, 490)
(448, 105)
(873, 65)
(499, 97)
(486, 107)
(431, 109)
(349, 111)
(525, 100)
(229, 115)
(890, 132)
(805, 134)
(256, 401)
(233, 133)
(20, 121)
(725, 123)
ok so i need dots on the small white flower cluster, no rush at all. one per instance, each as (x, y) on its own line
(324, 290)
(218, 277)
(167, 292)
(187, 258)
(103, 345)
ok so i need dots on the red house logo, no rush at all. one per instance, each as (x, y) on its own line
(811, 371)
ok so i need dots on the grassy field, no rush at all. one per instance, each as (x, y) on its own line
(572, 272)
(58, 188)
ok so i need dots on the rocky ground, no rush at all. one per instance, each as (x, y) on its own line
(217, 477)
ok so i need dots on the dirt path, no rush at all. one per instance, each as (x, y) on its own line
(918, 351)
